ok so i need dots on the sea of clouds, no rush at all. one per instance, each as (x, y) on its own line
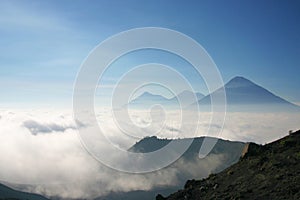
(41, 151)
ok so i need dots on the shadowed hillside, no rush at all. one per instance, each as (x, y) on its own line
(230, 150)
(271, 171)
(7, 193)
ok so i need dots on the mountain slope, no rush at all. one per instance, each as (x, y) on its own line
(271, 171)
(243, 94)
(9, 193)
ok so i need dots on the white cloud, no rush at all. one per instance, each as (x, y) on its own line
(57, 164)
(35, 127)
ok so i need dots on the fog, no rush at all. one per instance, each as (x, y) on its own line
(42, 148)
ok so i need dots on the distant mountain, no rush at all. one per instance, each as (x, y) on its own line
(242, 94)
(9, 193)
(271, 171)
(224, 154)
(188, 97)
(148, 99)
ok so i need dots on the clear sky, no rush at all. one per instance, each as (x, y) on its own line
(43, 43)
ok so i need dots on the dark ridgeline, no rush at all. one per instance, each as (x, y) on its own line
(271, 171)
(7, 193)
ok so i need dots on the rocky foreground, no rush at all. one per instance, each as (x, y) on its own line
(271, 171)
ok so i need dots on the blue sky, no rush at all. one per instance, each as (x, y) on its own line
(43, 43)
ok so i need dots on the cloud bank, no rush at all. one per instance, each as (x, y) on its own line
(42, 148)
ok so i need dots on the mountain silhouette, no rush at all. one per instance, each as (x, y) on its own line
(231, 148)
(244, 95)
(241, 95)
(148, 99)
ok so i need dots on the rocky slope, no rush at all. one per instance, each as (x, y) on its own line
(271, 171)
